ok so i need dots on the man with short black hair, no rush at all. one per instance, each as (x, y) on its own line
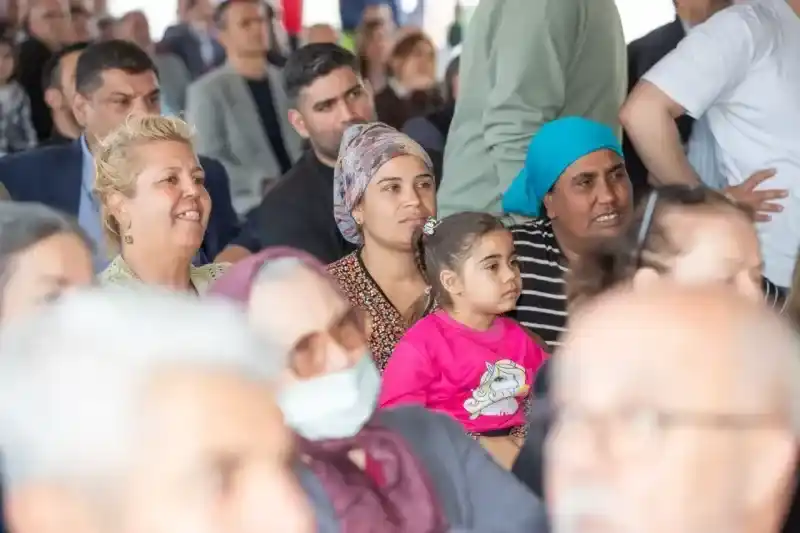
(327, 95)
(240, 110)
(58, 83)
(113, 80)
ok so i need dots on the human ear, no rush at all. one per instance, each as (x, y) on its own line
(358, 213)
(451, 282)
(53, 98)
(298, 123)
(116, 203)
(549, 206)
(80, 108)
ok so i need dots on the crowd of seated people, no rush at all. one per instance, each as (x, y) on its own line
(255, 288)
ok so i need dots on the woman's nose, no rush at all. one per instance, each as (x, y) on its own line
(191, 188)
(414, 197)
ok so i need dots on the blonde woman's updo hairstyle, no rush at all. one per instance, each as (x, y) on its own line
(116, 167)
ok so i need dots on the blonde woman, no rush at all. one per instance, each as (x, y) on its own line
(155, 206)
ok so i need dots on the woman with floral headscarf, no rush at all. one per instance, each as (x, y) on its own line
(383, 190)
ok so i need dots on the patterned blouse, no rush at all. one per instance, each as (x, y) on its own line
(119, 273)
(388, 324)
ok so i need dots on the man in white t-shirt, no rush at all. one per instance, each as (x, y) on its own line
(741, 70)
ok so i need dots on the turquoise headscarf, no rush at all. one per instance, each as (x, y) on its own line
(553, 149)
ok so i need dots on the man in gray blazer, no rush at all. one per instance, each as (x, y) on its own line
(240, 110)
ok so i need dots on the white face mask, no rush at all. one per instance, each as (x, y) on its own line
(333, 406)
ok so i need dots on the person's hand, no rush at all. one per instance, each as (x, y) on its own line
(504, 450)
(760, 201)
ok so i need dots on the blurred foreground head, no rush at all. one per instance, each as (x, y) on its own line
(43, 254)
(676, 409)
(125, 412)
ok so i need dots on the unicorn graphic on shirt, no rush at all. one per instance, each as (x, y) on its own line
(500, 386)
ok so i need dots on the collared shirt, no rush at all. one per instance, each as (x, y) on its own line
(206, 46)
(89, 209)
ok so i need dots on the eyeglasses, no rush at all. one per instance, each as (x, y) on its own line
(350, 333)
(644, 227)
(631, 432)
(672, 194)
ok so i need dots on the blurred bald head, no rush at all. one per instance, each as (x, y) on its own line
(321, 34)
(697, 394)
(720, 350)
(49, 21)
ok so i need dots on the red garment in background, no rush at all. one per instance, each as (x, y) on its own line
(293, 16)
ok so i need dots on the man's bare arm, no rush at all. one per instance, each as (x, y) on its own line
(648, 117)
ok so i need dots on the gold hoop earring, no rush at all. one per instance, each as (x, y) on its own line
(128, 238)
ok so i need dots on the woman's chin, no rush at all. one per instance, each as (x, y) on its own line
(189, 242)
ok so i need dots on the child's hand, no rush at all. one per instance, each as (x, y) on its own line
(504, 450)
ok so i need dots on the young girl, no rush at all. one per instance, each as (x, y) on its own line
(16, 129)
(466, 359)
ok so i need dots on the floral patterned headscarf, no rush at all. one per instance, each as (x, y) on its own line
(365, 148)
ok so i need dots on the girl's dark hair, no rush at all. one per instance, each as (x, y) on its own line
(444, 245)
(648, 241)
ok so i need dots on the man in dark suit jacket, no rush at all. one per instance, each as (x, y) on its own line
(643, 54)
(192, 41)
(113, 80)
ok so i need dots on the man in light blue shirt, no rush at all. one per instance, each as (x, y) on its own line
(89, 210)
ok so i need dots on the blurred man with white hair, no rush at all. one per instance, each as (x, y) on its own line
(126, 412)
(664, 426)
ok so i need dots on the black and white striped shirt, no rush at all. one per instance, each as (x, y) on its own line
(542, 306)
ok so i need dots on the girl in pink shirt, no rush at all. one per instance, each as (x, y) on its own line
(466, 359)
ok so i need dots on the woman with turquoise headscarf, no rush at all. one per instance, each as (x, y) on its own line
(575, 190)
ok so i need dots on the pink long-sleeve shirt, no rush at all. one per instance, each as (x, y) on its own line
(480, 378)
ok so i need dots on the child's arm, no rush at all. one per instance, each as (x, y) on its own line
(407, 377)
